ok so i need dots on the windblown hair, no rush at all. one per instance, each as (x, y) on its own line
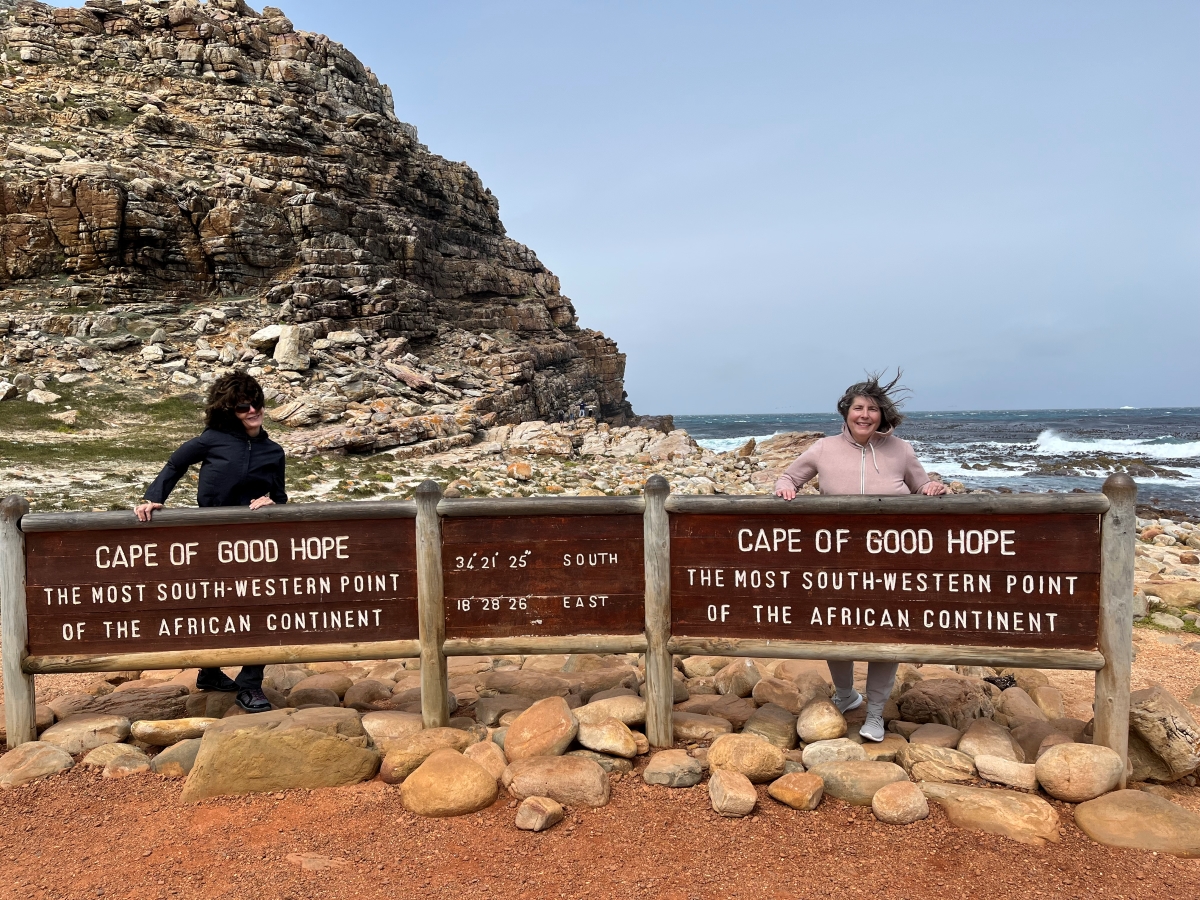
(226, 393)
(886, 396)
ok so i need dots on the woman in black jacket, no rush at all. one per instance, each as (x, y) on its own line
(239, 466)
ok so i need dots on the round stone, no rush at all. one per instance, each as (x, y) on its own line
(899, 803)
(753, 757)
(820, 721)
(1078, 772)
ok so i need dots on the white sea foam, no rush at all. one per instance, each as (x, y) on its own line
(724, 445)
(1050, 443)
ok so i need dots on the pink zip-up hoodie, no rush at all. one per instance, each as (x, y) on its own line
(886, 465)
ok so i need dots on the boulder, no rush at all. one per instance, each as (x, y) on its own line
(330, 720)
(289, 349)
(312, 696)
(1145, 764)
(737, 710)
(43, 718)
(448, 784)
(31, 761)
(538, 814)
(1030, 736)
(366, 695)
(1016, 704)
(526, 683)
(925, 763)
(1140, 821)
(1053, 739)
(177, 760)
(985, 737)
(704, 666)
(856, 781)
(169, 731)
(835, 750)
(609, 764)
(781, 692)
(799, 790)
(1049, 700)
(544, 729)
(1167, 728)
(738, 678)
(488, 710)
(386, 727)
(1078, 772)
(753, 757)
(934, 734)
(104, 754)
(1003, 770)
(569, 780)
(1021, 817)
(695, 727)
(956, 702)
(267, 752)
(490, 756)
(820, 721)
(79, 733)
(773, 724)
(885, 750)
(132, 762)
(731, 793)
(900, 803)
(629, 710)
(608, 736)
(405, 755)
(153, 702)
(673, 768)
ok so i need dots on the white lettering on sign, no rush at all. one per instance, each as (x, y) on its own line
(893, 540)
(787, 537)
(183, 554)
(324, 620)
(126, 557)
(193, 625)
(589, 559)
(975, 541)
(825, 539)
(65, 596)
(491, 604)
(72, 632)
(248, 551)
(319, 548)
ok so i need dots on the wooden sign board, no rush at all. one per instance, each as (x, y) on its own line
(986, 580)
(543, 575)
(209, 587)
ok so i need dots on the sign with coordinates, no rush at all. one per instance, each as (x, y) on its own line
(988, 580)
(543, 575)
(205, 587)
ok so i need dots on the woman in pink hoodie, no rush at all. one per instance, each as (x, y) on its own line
(866, 458)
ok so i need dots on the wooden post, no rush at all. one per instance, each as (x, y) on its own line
(19, 713)
(660, 687)
(1117, 531)
(431, 614)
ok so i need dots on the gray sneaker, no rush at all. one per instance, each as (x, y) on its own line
(252, 700)
(845, 704)
(872, 729)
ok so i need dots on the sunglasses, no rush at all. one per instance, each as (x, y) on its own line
(246, 407)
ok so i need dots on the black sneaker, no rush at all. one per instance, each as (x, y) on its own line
(253, 700)
(208, 681)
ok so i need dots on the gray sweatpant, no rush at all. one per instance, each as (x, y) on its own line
(880, 677)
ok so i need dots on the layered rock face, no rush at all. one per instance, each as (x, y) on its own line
(180, 175)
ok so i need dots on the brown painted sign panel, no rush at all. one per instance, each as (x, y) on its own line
(543, 575)
(987, 580)
(211, 587)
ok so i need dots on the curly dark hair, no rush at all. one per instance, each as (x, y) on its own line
(226, 393)
(887, 396)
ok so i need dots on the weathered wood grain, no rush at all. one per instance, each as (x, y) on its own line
(19, 709)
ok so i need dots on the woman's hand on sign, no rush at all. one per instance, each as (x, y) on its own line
(786, 491)
(934, 489)
(262, 501)
(145, 510)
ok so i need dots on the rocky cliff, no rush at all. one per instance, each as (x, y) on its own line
(191, 187)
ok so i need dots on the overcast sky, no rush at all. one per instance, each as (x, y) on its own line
(759, 201)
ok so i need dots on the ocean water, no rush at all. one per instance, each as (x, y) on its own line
(1021, 450)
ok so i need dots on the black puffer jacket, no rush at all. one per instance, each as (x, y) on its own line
(234, 469)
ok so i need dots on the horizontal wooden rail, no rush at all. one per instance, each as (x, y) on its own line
(188, 659)
(965, 504)
(543, 506)
(221, 515)
(578, 643)
(916, 653)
